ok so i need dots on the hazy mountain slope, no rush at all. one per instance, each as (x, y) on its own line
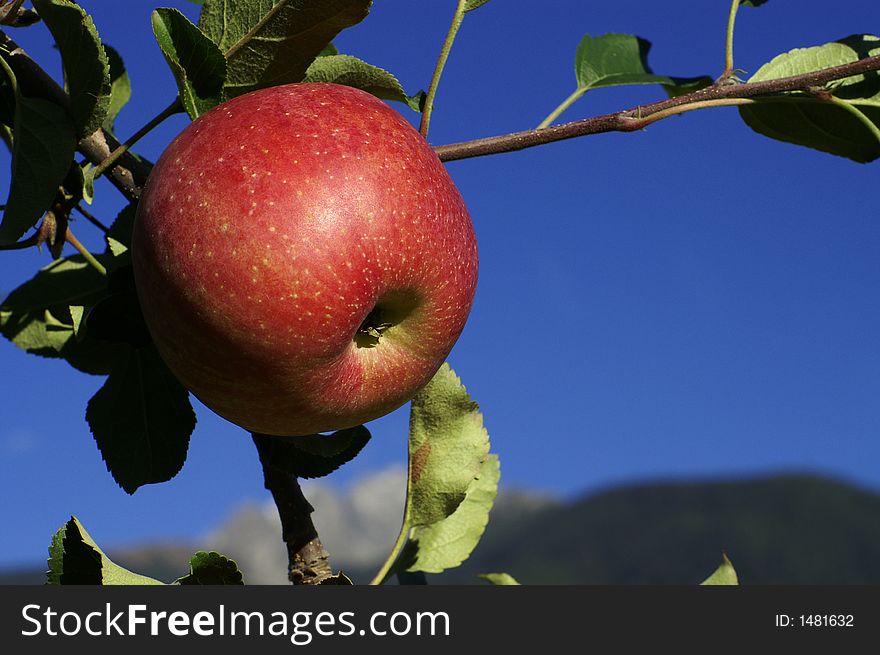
(794, 529)
(785, 530)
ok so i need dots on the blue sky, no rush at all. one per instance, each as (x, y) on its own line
(689, 301)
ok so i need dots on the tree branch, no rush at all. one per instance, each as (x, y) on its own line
(308, 561)
(637, 118)
(129, 173)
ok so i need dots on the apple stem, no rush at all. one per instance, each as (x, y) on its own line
(728, 42)
(308, 561)
(441, 64)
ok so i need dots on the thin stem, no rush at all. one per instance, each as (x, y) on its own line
(728, 42)
(91, 218)
(565, 104)
(174, 108)
(638, 117)
(438, 69)
(858, 113)
(380, 576)
(89, 257)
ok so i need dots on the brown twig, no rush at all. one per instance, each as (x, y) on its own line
(308, 561)
(129, 173)
(639, 117)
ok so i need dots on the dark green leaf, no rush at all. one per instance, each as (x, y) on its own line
(616, 59)
(317, 455)
(351, 71)
(329, 49)
(683, 85)
(7, 100)
(823, 125)
(723, 575)
(196, 62)
(498, 578)
(120, 87)
(86, 67)
(74, 558)
(752, 3)
(271, 42)
(211, 568)
(43, 149)
(117, 317)
(122, 228)
(142, 420)
(36, 316)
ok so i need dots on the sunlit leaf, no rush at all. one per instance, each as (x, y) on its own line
(75, 558)
(723, 575)
(450, 469)
(498, 578)
(351, 71)
(447, 543)
(617, 59)
(806, 121)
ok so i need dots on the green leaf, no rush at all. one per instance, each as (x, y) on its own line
(723, 575)
(123, 226)
(470, 5)
(120, 87)
(498, 578)
(7, 100)
(338, 580)
(211, 568)
(617, 59)
(36, 316)
(447, 447)
(317, 455)
(351, 71)
(271, 42)
(684, 85)
(117, 317)
(447, 543)
(196, 62)
(141, 420)
(822, 125)
(86, 68)
(752, 3)
(450, 469)
(329, 49)
(43, 148)
(75, 558)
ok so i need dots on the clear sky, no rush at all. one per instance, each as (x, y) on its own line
(689, 301)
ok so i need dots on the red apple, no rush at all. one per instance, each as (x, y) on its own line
(303, 260)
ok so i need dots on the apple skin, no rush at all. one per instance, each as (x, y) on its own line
(268, 232)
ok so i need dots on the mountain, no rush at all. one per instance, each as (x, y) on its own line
(791, 529)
